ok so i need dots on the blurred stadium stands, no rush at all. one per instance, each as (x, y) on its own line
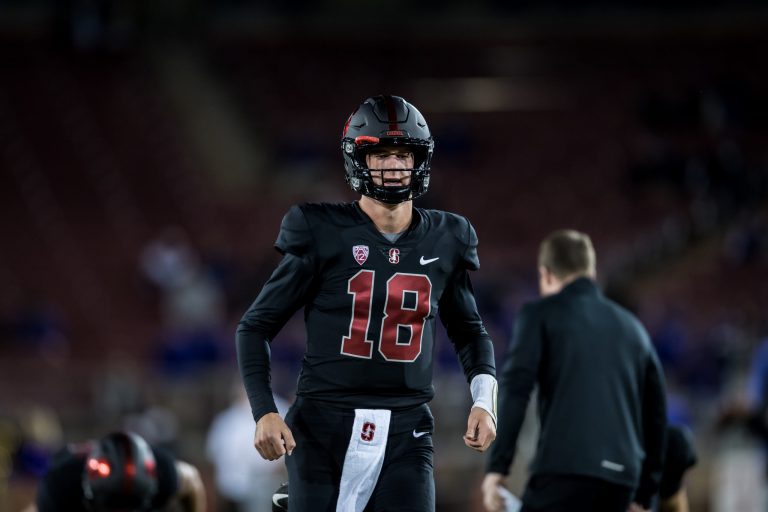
(194, 125)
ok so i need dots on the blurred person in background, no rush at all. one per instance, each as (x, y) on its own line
(601, 394)
(751, 410)
(30, 323)
(119, 472)
(372, 276)
(192, 302)
(756, 406)
(244, 480)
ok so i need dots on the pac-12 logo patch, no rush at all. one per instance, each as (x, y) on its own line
(368, 430)
(394, 255)
(360, 252)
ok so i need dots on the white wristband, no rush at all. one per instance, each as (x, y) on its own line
(484, 389)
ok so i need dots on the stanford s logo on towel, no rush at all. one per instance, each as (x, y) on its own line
(368, 430)
(360, 252)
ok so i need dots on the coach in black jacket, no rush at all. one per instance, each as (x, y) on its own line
(601, 394)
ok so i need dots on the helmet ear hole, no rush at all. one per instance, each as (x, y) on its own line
(384, 121)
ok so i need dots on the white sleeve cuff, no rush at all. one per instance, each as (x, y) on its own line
(484, 389)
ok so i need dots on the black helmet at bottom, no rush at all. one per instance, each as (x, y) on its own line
(120, 474)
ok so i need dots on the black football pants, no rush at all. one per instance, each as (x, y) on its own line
(324, 433)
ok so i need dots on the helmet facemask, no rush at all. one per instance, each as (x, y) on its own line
(361, 178)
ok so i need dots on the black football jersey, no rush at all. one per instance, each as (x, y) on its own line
(370, 304)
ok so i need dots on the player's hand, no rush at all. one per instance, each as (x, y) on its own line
(493, 501)
(273, 438)
(634, 507)
(481, 430)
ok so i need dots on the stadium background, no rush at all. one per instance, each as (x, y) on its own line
(148, 150)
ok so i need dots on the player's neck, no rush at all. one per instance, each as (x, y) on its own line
(388, 218)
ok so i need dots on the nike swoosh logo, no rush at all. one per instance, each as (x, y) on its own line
(419, 434)
(426, 262)
(277, 497)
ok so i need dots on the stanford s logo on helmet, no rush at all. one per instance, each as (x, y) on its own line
(120, 474)
(386, 121)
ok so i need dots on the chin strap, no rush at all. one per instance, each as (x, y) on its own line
(484, 389)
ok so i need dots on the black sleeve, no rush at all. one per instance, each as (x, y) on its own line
(680, 457)
(518, 378)
(458, 312)
(470, 259)
(61, 488)
(282, 295)
(654, 431)
(168, 480)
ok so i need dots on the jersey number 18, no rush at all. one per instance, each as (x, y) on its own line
(398, 312)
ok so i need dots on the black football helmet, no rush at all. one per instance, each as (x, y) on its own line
(120, 474)
(280, 499)
(385, 121)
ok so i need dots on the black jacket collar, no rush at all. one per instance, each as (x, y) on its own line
(581, 285)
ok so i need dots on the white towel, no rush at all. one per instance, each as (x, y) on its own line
(511, 503)
(364, 459)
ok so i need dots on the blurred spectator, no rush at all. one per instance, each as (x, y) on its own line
(678, 403)
(157, 424)
(41, 434)
(117, 386)
(751, 409)
(244, 481)
(28, 437)
(192, 303)
(747, 241)
(757, 384)
(757, 394)
(32, 324)
(669, 338)
(168, 260)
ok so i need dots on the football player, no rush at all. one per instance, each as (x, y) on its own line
(119, 472)
(372, 276)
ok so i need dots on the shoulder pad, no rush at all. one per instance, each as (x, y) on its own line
(295, 236)
(465, 233)
(462, 230)
(329, 215)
